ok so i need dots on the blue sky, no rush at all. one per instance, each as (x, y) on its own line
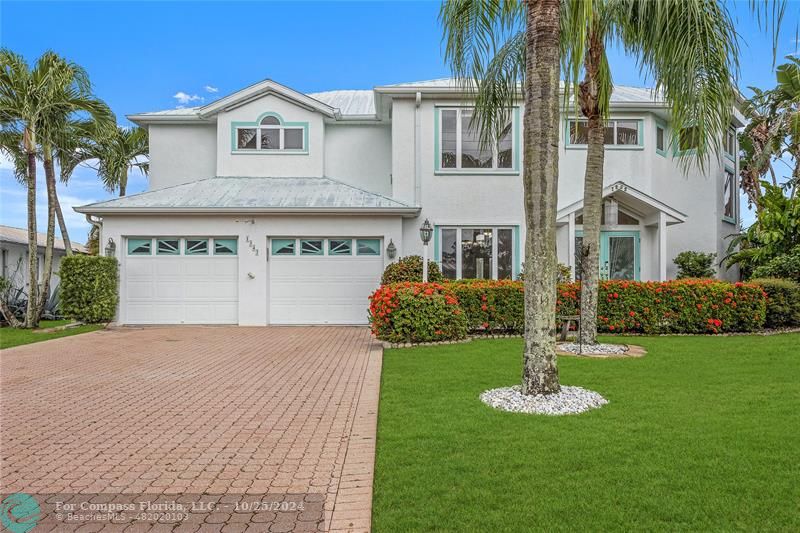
(140, 55)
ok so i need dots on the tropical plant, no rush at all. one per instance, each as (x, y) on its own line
(36, 105)
(120, 152)
(783, 266)
(495, 49)
(775, 232)
(693, 75)
(695, 264)
(409, 268)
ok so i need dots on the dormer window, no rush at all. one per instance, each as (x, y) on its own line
(271, 134)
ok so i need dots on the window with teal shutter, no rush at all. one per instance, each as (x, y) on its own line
(368, 246)
(283, 246)
(140, 246)
(225, 246)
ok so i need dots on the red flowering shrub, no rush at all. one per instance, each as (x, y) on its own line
(491, 305)
(682, 306)
(416, 312)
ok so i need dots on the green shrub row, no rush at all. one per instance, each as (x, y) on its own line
(409, 268)
(88, 287)
(783, 302)
(681, 306)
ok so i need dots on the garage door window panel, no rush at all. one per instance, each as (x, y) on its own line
(368, 246)
(225, 246)
(168, 246)
(284, 246)
(312, 247)
(196, 246)
(140, 246)
(340, 247)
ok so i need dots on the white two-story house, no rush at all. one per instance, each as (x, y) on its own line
(270, 206)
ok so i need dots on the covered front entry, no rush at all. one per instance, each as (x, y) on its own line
(619, 255)
(322, 280)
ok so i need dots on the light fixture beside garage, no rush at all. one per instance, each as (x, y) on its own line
(111, 248)
(391, 250)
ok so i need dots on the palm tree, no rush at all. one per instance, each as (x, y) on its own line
(38, 103)
(694, 75)
(119, 153)
(531, 55)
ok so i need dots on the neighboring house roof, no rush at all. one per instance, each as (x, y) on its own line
(633, 198)
(257, 195)
(20, 236)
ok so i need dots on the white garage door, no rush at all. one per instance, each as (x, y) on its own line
(323, 280)
(186, 280)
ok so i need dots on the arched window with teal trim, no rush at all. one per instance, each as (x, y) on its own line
(269, 133)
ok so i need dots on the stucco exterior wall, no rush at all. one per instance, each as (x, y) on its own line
(15, 264)
(180, 153)
(253, 258)
(361, 155)
(272, 164)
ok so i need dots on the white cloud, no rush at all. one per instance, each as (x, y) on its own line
(211, 89)
(185, 98)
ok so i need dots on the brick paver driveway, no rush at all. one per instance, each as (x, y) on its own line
(227, 420)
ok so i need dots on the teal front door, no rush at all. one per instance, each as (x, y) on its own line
(619, 254)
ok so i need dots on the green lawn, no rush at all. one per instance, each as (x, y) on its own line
(10, 337)
(703, 433)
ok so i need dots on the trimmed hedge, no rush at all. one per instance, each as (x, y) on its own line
(682, 306)
(89, 287)
(783, 301)
(409, 268)
(416, 312)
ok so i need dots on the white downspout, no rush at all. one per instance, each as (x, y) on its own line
(97, 223)
(417, 151)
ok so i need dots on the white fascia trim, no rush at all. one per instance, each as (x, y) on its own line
(260, 89)
(122, 211)
(145, 119)
(623, 187)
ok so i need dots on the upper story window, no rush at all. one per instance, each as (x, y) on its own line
(688, 139)
(661, 139)
(616, 132)
(729, 196)
(270, 134)
(730, 144)
(459, 146)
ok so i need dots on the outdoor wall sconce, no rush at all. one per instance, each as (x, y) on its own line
(391, 250)
(111, 248)
(425, 233)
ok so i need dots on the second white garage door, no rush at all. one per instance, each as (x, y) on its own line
(323, 280)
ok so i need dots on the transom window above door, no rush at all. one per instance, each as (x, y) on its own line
(477, 252)
(459, 147)
(270, 134)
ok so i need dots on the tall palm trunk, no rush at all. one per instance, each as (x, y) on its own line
(123, 182)
(47, 271)
(62, 225)
(589, 100)
(31, 315)
(540, 182)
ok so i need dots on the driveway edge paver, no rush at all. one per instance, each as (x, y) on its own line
(352, 510)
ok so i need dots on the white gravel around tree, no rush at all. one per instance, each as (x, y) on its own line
(568, 401)
(604, 349)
